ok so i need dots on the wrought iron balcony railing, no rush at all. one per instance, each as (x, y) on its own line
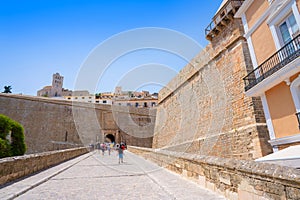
(222, 17)
(278, 60)
(298, 117)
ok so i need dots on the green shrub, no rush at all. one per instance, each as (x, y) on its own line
(16, 146)
(4, 148)
(5, 126)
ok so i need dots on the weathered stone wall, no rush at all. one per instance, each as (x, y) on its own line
(52, 124)
(13, 168)
(232, 178)
(204, 110)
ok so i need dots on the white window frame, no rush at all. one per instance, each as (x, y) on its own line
(295, 90)
(285, 20)
(280, 15)
(268, 120)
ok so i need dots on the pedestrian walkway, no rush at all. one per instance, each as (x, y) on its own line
(94, 176)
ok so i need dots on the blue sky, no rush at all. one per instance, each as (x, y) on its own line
(42, 37)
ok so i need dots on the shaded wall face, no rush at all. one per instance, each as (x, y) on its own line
(260, 37)
(51, 124)
(282, 110)
(136, 128)
(255, 11)
(47, 126)
(209, 113)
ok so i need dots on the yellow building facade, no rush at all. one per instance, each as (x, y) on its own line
(272, 33)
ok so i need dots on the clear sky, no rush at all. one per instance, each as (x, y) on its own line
(42, 37)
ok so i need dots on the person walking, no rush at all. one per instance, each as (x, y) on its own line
(108, 148)
(102, 148)
(121, 154)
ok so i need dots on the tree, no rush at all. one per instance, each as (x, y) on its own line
(98, 96)
(7, 89)
(15, 146)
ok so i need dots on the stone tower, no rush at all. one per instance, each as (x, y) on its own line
(204, 110)
(57, 84)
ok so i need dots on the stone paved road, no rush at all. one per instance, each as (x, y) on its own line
(93, 176)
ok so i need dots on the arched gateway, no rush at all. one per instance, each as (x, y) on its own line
(110, 138)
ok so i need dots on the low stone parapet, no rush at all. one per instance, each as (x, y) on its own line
(232, 178)
(12, 168)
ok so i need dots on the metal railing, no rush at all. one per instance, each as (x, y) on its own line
(278, 60)
(298, 117)
(230, 5)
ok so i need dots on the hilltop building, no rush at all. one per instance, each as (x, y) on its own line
(128, 98)
(55, 90)
(118, 97)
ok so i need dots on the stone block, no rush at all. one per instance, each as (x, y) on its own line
(214, 174)
(231, 195)
(259, 185)
(242, 194)
(202, 180)
(185, 173)
(225, 178)
(209, 185)
(274, 188)
(293, 193)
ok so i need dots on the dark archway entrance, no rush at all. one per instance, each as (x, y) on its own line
(110, 138)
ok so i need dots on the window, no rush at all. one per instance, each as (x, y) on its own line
(104, 101)
(288, 29)
(284, 22)
(136, 104)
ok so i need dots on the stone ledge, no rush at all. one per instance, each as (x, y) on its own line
(232, 178)
(12, 168)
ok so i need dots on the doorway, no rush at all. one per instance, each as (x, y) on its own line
(110, 138)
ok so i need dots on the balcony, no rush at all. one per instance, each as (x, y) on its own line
(222, 18)
(278, 60)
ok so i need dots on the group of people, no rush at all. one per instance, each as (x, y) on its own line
(109, 146)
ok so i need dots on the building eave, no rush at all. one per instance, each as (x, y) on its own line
(243, 8)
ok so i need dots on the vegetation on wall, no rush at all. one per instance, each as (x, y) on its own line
(11, 138)
(7, 89)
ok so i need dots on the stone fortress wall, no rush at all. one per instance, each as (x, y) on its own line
(52, 124)
(232, 178)
(204, 110)
(13, 168)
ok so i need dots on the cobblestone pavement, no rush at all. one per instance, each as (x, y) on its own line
(94, 176)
